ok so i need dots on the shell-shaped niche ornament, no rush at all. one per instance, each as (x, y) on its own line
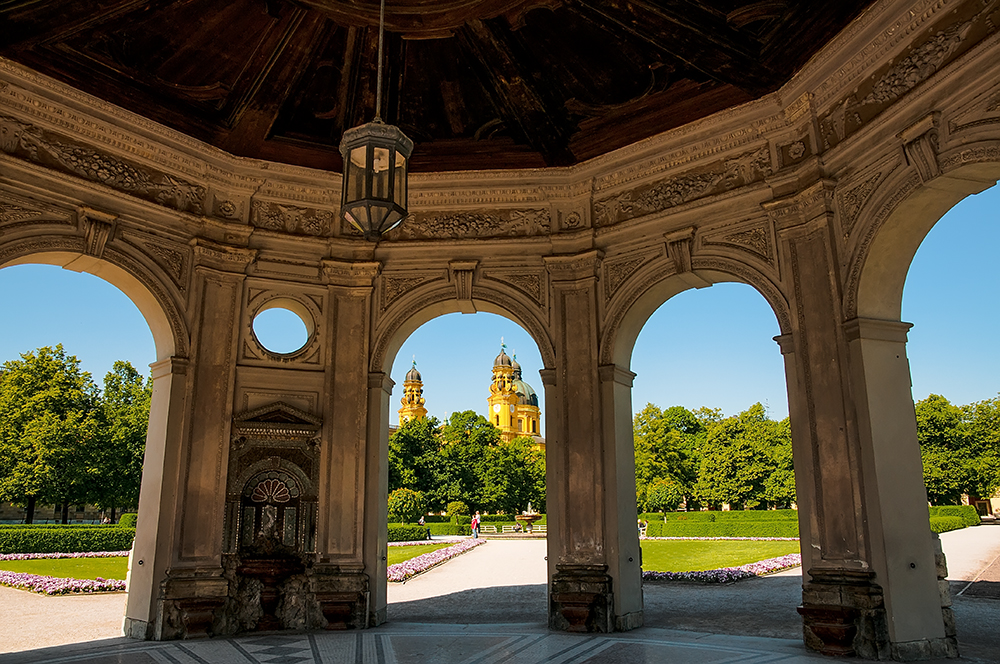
(270, 491)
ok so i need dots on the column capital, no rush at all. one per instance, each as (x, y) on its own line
(359, 274)
(380, 380)
(548, 377)
(575, 267)
(614, 373)
(175, 365)
(786, 343)
(876, 329)
(222, 257)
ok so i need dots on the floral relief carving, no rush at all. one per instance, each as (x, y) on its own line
(530, 284)
(473, 223)
(291, 219)
(756, 240)
(722, 176)
(11, 213)
(617, 272)
(45, 148)
(393, 287)
(852, 200)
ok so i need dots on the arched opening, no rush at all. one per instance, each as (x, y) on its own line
(885, 349)
(710, 432)
(116, 307)
(468, 381)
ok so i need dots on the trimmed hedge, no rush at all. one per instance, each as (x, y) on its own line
(729, 528)
(399, 532)
(967, 513)
(65, 539)
(507, 519)
(718, 515)
(462, 519)
(449, 529)
(128, 520)
(942, 524)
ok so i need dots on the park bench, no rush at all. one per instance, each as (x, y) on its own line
(487, 529)
(508, 529)
(539, 529)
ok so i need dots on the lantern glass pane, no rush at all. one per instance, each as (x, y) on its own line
(380, 176)
(399, 186)
(356, 175)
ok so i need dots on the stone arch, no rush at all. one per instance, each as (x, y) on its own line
(425, 304)
(654, 285)
(147, 289)
(895, 228)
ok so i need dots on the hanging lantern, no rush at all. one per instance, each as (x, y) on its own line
(376, 156)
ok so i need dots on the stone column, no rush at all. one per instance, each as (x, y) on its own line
(843, 480)
(346, 580)
(376, 495)
(194, 587)
(151, 552)
(902, 545)
(588, 546)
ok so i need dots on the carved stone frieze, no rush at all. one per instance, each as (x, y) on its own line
(715, 178)
(223, 257)
(45, 148)
(472, 224)
(971, 156)
(942, 43)
(529, 283)
(292, 219)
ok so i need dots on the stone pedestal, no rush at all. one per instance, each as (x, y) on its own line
(581, 599)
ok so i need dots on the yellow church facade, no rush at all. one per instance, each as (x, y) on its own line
(512, 405)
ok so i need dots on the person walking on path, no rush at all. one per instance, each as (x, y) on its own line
(475, 526)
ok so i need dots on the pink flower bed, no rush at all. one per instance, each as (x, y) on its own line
(409, 568)
(729, 574)
(50, 585)
(85, 554)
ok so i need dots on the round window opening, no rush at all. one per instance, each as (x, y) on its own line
(281, 330)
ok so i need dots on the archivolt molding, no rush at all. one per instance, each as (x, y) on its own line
(157, 283)
(890, 193)
(520, 310)
(658, 270)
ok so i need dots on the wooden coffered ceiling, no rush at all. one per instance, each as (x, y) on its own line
(477, 84)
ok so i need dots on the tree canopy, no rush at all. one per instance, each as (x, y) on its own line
(63, 441)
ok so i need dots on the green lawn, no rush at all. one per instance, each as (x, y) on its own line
(693, 556)
(71, 568)
(398, 554)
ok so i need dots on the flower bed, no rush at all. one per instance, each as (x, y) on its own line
(718, 539)
(729, 574)
(83, 554)
(50, 585)
(410, 568)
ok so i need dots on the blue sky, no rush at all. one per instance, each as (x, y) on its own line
(710, 347)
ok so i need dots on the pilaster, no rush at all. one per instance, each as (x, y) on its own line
(376, 495)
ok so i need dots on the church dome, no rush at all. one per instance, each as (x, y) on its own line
(503, 360)
(413, 374)
(516, 367)
(525, 394)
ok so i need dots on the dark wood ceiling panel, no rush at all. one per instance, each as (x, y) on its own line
(475, 83)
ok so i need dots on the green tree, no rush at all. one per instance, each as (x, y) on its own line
(406, 506)
(664, 495)
(465, 443)
(457, 508)
(747, 461)
(125, 402)
(49, 429)
(512, 476)
(414, 457)
(666, 446)
(959, 448)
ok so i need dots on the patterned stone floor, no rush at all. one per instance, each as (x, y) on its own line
(411, 643)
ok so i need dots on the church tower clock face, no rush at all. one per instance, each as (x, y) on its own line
(496, 408)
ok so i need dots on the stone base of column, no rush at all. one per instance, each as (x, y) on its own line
(843, 614)
(133, 628)
(188, 603)
(581, 599)
(342, 597)
(629, 621)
